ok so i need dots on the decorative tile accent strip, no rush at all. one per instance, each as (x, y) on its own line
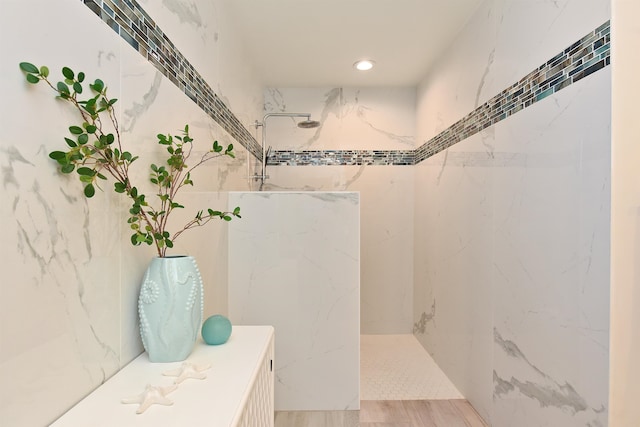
(134, 25)
(584, 57)
(341, 157)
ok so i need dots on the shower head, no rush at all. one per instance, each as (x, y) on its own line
(308, 124)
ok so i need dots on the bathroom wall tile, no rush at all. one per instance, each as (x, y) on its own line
(552, 276)
(60, 260)
(197, 27)
(542, 28)
(350, 118)
(68, 310)
(294, 263)
(537, 184)
(452, 267)
(386, 234)
(457, 83)
(358, 119)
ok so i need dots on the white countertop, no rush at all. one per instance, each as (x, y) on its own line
(214, 401)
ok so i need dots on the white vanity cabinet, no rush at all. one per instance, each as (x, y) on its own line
(238, 389)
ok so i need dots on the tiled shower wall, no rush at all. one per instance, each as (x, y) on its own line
(354, 120)
(366, 143)
(70, 277)
(512, 223)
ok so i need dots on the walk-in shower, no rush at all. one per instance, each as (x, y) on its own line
(304, 124)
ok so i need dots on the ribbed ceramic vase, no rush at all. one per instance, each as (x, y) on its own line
(170, 308)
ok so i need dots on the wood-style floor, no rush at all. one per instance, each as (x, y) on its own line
(389, 413)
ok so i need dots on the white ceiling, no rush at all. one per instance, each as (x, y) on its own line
(313, 43)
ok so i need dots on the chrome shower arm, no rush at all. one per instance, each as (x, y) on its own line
(308, 123)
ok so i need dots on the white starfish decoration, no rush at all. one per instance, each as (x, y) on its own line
(188, 370)
(151, 395)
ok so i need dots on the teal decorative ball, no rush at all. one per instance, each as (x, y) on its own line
(216, 330)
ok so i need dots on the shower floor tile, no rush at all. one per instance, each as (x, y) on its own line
(397, 367)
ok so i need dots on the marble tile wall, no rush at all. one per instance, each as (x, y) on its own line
(355, 119)
(294, 263)
(70, 277)
(512, 275)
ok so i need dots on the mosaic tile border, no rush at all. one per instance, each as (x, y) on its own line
(136, 27)
(341, 157)
(584, 57)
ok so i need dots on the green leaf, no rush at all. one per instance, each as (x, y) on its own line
(80, 76)
(68, 73)
(56, 155)
(86, 171)
(63, 88)
(168, 242)
(32, 79)
(226, 218)
(91, 128)
(76, 130)
(89, 190)
(134, 239)
(77, 87)
(70, 142)
(217, 147)
(110, 138)
(236, 211)
(67, 168)
(28, 67)
(98, 85)
(83, 139)
(119, 187)
(44, 70)
(229, 151)
(141, 238)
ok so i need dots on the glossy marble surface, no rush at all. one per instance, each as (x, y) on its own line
(70, 276)
(366, 118)
(512, 274)
(294, 263)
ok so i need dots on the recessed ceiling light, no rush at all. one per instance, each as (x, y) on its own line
(364, 65)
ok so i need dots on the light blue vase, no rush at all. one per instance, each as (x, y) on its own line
(170, 307)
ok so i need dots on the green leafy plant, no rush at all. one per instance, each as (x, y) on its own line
(94, 152)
